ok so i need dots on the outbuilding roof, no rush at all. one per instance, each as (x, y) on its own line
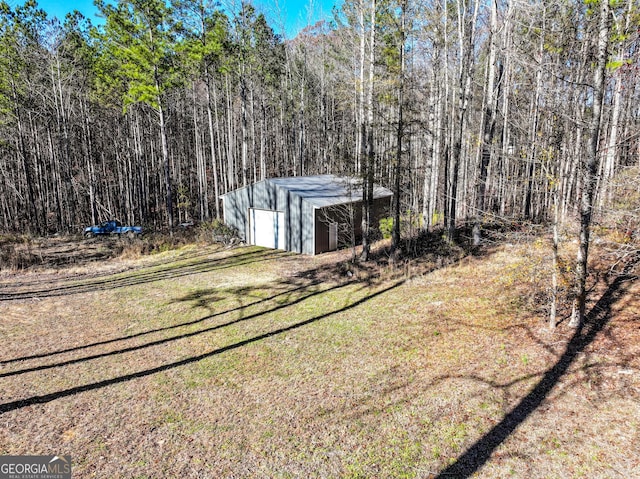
(327, 190)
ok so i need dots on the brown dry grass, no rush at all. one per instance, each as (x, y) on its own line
(206, 362)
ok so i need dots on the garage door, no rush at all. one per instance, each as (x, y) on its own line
(266, 228)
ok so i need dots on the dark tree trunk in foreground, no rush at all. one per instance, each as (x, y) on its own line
(395, 234)
(590, 166)
(368, 170)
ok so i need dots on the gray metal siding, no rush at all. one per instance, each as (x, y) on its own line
(234, 207)
(301, 222)
(308, 225)
(236, 204)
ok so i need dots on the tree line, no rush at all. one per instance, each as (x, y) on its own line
(469, 110)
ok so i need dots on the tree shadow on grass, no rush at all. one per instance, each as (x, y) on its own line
(46, 398)
(479, 453)
(306, 294)
(62, 275)
(284, 294)
(146, 276)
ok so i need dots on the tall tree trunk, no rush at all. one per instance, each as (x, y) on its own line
(431, 160)
(212, 147)
(263, 139)
(231, 173)
(31, 207)
(466, 35)
(488, 126)
(505, 136)
(244, 140)
(611, 156)
(201, 171)
(367, 187)
(395, 236)
(167, 167)
(590, 166)
(556, 261)
(89, 161)
(534, 116)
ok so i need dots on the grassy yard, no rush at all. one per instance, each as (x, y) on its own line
(206, 362)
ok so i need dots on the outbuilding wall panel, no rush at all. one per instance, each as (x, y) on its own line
(305, 217)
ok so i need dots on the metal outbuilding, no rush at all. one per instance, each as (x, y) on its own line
(304, 214)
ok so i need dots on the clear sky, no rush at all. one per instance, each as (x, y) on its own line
(292, 15)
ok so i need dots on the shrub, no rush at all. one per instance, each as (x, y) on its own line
(219, 232)
(386, 227)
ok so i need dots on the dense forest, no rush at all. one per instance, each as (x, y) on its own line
(469, 110)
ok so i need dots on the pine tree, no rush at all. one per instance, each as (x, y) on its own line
(139, 50)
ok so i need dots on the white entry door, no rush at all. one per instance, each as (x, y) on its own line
(266, 228)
